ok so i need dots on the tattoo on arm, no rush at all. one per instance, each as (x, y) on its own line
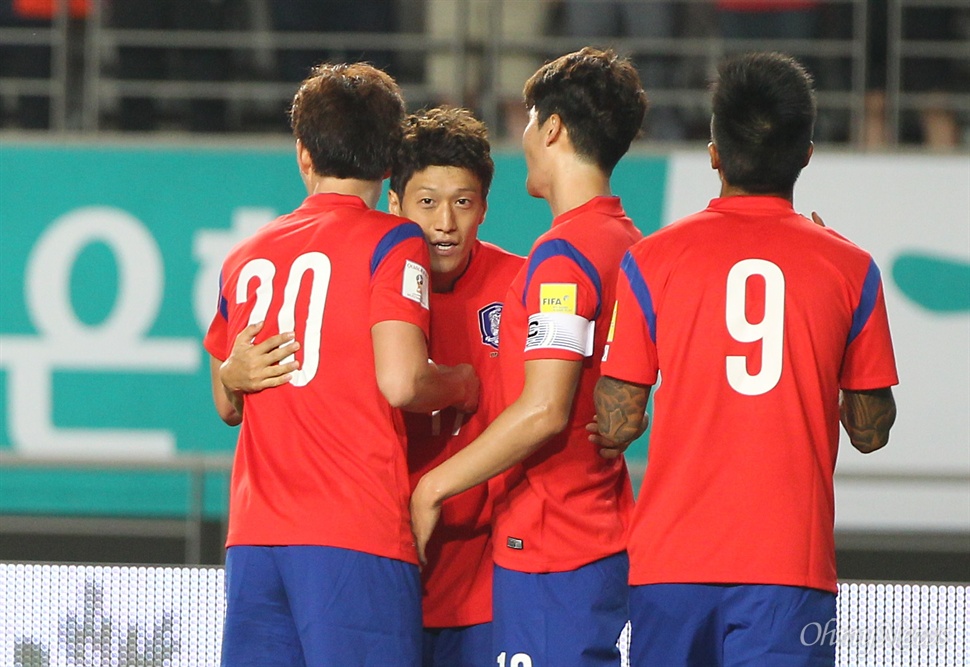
(620, 409)
(867, 417)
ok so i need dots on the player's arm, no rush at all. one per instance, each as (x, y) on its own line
(541, 411)
(229, 410)
(406, 378)
(621, 414)
(867, 417)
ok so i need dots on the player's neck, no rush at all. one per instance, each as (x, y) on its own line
(728, 190)
(574, 183)
(369, 191)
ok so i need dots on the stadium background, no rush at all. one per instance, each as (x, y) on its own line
(110, 451)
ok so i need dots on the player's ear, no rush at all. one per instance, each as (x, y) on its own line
(393, 203)
(552, 129)
(303, 160)
(715, 158)
(811, 150)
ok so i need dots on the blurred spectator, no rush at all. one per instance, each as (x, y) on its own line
(635, 18)
(332, 16)
(875, 128)
(469, 22)
(205, 114)
(768, 19)
(32, 61)
(934, 123)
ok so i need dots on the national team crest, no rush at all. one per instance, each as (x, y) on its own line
(488, 321)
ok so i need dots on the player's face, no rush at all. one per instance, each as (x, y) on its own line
(447, 203)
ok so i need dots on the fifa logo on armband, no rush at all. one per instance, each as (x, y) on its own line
(514, 543)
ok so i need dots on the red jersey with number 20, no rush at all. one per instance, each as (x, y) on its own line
(754, 317)
(570, 506)
(457, 579)
(322, 459)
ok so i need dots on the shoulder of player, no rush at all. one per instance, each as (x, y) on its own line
(834, 238)
(806, 234)
(495, 256)
(491, 272)
(386, 220)
(385, 227)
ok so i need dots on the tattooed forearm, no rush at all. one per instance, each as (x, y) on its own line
(867, 417)
(620, 409)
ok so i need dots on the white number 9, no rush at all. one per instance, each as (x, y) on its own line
(770, 330)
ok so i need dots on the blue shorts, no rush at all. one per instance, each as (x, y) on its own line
(560, 618)
(714, 625)
(468, 646)
(307, 606)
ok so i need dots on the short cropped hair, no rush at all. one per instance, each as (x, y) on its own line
(349, 117)
(762, 122)
(443, 137)
(599, 97)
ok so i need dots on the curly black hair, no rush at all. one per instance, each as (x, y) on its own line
(443, 137)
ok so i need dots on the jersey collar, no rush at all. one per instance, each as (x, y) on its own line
(751, 203)
(604, 205)
(328, 200)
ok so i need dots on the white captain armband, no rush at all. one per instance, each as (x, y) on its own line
(560, 331)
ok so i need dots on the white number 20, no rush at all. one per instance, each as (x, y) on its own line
(770, 330)
(264, 271)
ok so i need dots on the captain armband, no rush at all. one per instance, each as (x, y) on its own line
(560, 331)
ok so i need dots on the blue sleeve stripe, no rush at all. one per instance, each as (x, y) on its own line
(223, 303)
(563, 248)
(642, 293)
(401, 233)
(867, 302)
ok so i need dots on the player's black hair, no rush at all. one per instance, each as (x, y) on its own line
(763, 119)
(349, 117)
(598, 96)
(443, 137)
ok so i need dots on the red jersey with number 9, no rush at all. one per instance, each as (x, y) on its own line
(755, 317)
(322, 459)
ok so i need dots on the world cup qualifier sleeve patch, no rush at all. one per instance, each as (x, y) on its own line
(557, 298)
(488, 321)
(415, 284)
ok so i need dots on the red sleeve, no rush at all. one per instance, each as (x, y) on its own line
(400, 278)
(869, 361)
(558, 286)
(216, 338)
(631, 350)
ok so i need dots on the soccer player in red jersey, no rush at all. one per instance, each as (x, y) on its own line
(441, 180)
(757, 320)
(560, 593)
(321, 566)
